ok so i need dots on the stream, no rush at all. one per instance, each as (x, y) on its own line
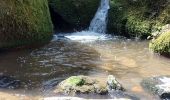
(32, 74)
(40, 70)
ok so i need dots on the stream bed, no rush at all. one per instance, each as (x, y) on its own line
(40, 70)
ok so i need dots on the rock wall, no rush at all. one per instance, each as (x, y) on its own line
(78, 13)
(24, 22)
(138, 17)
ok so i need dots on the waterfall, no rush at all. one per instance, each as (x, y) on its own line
(99, 22)
(97, 26)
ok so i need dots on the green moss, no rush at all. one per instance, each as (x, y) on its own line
(161, 44)
(78, 13)
(139, 17)
(75, 81)
(24, 22)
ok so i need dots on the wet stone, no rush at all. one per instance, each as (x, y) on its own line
(159, 86)
(8, 82)
(85, 84)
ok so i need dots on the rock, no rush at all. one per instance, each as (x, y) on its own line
(81, 84)
(85, 84)
(163, 29)
(8, 82)
(77, 98)
(24, 23)
(132, 18)
(63, 98)
(77, 13)
(158, 85)
(113, 84)
(161, 45)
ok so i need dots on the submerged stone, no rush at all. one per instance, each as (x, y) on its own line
(158, 85)
(8, 82)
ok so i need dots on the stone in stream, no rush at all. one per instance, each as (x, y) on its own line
(85, 84)
(113, 84)
(81, 84)
(8, 82)
(76, 98)
(159, 86)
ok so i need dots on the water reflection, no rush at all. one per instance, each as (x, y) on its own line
(130, 61)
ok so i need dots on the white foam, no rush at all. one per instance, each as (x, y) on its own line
(87, 36)
(165, 84)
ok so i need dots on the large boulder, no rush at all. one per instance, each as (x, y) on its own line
(24, 22)
(158, 85)
(138, 17)
(78, 13)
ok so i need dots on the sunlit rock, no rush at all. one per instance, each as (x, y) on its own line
(85, 84)
(113, 84)
(81, 84)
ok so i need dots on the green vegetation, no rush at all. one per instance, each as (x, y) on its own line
(138, 17)
(75, 81)
(77, 13)
(24, 22)
(161, 44)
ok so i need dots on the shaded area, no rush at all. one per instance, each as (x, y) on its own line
(60, 25)
(137, 18)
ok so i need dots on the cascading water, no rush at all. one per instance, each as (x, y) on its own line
(99, 22)
(97, 26)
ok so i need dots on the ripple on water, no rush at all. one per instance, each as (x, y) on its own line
(130, 61)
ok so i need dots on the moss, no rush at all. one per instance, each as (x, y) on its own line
(24, 22)
(138, 17)
(78, 13)
(161, 44)
(75, 81)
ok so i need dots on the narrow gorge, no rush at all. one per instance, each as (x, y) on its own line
(84, 49)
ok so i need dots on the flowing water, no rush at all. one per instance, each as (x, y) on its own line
(91, 53)
(39, 70)
(99, 22)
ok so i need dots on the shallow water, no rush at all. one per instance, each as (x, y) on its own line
(39, 70)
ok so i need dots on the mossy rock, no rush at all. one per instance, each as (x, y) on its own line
(75, 81)
(138, 17)
(85, 84)
(161, 44)
(81, 84)
(77, 13)
(24, 22)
